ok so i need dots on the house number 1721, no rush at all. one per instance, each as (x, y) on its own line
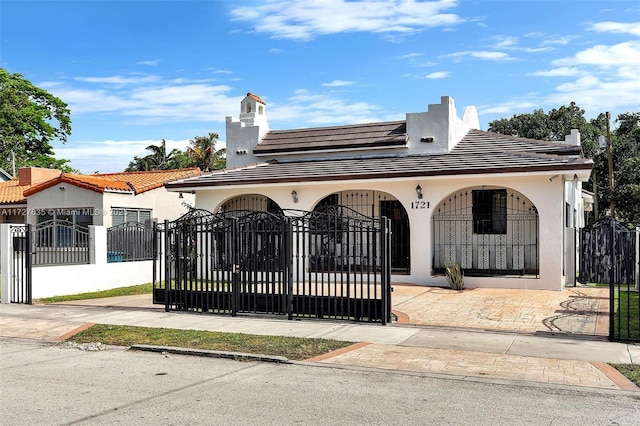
(420, 205)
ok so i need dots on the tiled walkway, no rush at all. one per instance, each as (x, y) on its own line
(579, 310)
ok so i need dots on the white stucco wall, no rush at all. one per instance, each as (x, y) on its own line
(163, 204)
(73, 279)
(547, 194)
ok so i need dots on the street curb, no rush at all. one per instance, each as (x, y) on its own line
(237, 356)
(616, 377)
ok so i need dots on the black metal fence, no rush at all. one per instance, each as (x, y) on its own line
(609, 254)
(20, 280)
(60, 242)
(324, 264)
(129, 241)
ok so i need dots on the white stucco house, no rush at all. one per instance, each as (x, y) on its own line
(107, 199)
(505, 208)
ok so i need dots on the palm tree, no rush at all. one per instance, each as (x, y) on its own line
(202, 150)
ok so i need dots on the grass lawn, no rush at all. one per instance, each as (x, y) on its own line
(294, 348)
(627, 311)
(122, 291)
(631, 371)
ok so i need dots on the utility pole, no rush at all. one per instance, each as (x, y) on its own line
(612, 205)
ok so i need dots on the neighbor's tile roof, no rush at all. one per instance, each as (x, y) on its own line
(135, 182)
(372, 135)
(11, 192)
(479, 152)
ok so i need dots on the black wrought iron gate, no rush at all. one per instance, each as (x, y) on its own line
(609, 254)
(20, 264)
(333, 263)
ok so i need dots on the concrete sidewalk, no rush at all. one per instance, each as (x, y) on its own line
(499, 355)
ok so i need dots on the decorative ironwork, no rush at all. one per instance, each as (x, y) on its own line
(510, 244)
(261, 262)
(60, 242)
(129, 241)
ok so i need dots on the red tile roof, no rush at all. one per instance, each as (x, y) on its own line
(11, 192)
(256, 98)
(135, 182)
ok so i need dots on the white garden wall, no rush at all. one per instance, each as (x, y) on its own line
(61, 280)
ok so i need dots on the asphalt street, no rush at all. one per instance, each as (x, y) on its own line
(51, 383)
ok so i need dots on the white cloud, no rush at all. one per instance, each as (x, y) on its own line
(603, 56)
(110, 155)
(599, 78)
(508, 107)
(438, 75)
(319, 109)
(632, 28)
(338, 83)
(150, 100)
(306, 19)
(557, 72)
(150, 63)
(120, 80)
(480, 54)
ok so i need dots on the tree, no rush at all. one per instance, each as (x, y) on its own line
(201, 153)
(159, 159)
(30, 119)
(202, 150)
(554, 125)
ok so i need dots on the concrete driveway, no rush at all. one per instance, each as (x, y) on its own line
(577, 311)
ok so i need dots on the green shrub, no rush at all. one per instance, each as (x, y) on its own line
(455, 276)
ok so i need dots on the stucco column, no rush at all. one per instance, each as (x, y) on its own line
(97, 244)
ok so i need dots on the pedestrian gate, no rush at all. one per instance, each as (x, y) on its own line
(609, 254)
(333, 263)
(19, 266)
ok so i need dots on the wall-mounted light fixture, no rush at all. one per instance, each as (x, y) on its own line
(419, 192)
(294, 195)
(180, 195)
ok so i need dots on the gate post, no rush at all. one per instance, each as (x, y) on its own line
(612, 293)
(235, 267)
(288, 264)
(385, 261)
(167, 268)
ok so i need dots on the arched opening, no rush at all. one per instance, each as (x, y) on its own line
(488, 231)
(377, 204)
(241, 204)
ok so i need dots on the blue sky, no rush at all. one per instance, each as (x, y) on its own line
(135, 72)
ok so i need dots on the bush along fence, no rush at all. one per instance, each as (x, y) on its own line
(610, 253)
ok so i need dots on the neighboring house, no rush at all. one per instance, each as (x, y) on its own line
(505, 208)
(38, 195)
